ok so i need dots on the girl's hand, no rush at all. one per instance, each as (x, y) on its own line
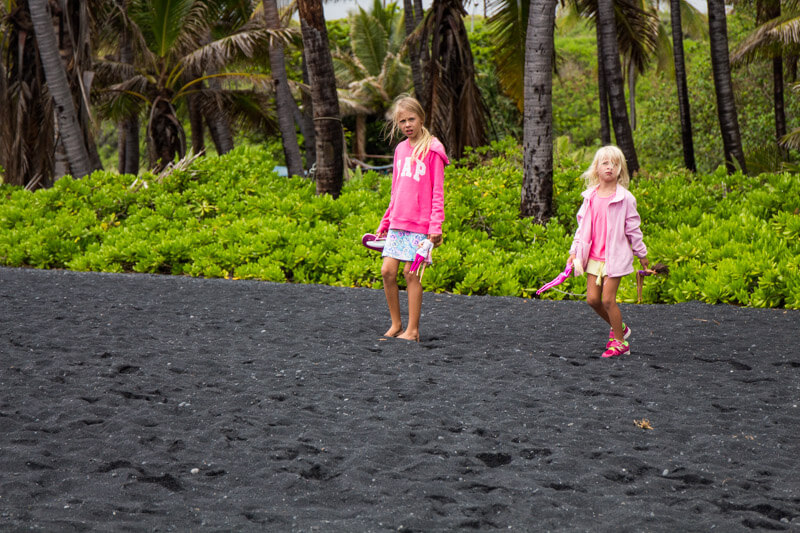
(645, 263)
(380, 234)
(436, 240)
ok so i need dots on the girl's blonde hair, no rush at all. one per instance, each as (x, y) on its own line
(410, 104)
(613, 154)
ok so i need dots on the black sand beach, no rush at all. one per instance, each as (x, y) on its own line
(147, 403)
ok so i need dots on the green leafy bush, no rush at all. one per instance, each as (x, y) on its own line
(727, 239)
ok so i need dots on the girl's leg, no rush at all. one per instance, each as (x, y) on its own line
(390, 288)
(612, 310)
(594, 297)
(414, 289)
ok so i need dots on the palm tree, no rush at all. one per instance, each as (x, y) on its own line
(413, 18)
(328, 130)
(283, 96)
(537, 184)
(373, 74)
(128, 144)
(726, 106)
(169, 50)
(609, 54)
(58, 86)
(768, 41)
(456, 112)
(680, 81)
(27, 132)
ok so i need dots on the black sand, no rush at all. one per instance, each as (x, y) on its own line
(145, 403)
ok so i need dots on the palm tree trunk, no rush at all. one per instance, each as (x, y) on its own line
(129, 127)
(780, 112)
(409, 17)
(726, 106)
(680, 81)
(616, 87)
(219, 125)
(327, 121)
(632, 93)
(194, 106)
(71, 134)
(602, 89)
(768, 10)
(307, 120)
(537, 183)
(283, 96)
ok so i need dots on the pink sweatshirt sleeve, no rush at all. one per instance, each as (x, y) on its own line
(437, 198)
(633, 230)
(384, 225)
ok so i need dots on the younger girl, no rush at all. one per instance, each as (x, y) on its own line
(607, 238)
(416, 210)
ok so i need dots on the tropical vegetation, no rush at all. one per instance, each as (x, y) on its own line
(726, 238)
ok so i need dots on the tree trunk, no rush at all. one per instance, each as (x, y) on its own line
(726, 106)
(632, 93)
(768, 10)
(537, 184)
(129, 127)
(283, 96)
(409, 17)
(361, 137)
(69, 127)
(616, 87)
(165, 136)
(602, 89)
(780, 112)
(683, 91)
(197, 130)
(219, 125)
(327, 121)
(307, 120)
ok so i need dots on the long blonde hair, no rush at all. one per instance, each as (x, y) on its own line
(613, 154)
(410, 104)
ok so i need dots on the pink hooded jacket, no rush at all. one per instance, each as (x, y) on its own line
(417, 203)
(623, 238)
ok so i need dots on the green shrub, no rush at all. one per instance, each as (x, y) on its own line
(727, 239)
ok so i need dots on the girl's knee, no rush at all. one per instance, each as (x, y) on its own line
(594, 301)
(388, 273)
(609, 303)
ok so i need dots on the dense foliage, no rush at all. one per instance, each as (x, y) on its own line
(657, 135)
(727, 239)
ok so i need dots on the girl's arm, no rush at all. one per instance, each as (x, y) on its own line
(437, 197)
(383, 227)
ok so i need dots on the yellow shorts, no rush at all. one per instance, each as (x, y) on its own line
(598, 269)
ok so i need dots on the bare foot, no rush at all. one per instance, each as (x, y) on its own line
(409, 336)
(393, 331)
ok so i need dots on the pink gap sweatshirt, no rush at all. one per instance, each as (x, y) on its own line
(417, 203)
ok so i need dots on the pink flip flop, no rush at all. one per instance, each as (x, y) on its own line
(372, 242)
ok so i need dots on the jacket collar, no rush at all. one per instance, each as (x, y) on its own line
(618, 195)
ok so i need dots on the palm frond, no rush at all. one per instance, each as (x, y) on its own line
(239, 46)
(395, 77)
(369, 41)
(695, 23)
(249, 108)
(351, 105)
(509, 25)
(763, 42)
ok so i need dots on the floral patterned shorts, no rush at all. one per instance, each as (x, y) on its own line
(402, 245)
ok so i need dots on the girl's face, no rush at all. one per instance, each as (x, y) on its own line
(608, 170)
(409, 123)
